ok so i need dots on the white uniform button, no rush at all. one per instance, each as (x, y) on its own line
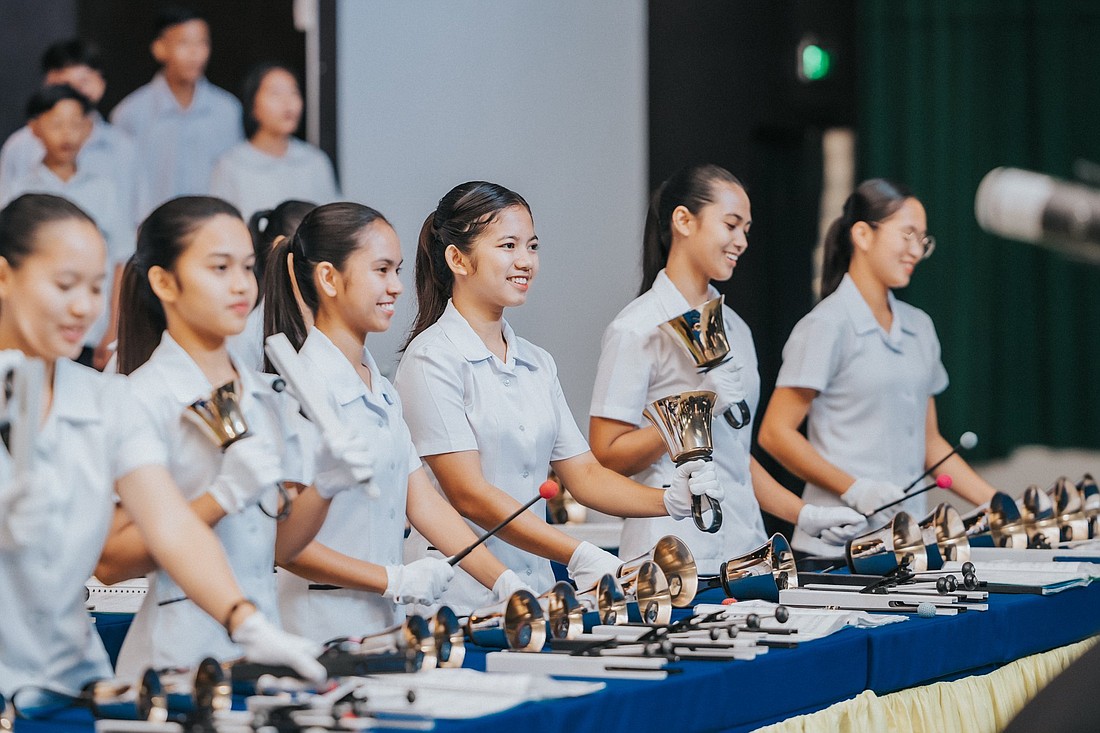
(525, 474)
(522, 428)
(528, 571)
(380, 423)
(507, 382)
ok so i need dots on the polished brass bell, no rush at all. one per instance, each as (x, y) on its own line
(702, 333)
(220, 416)
(945, 537)
(760, 573)
(674, 558)
(900, 544)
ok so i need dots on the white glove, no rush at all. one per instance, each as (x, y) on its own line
(249, 467)
(343, 463)
(693, 478)
(835, 525)
(265, 643)
(724, 381)
(589, 563)
(866, 495)
(507, 584)
(422, 581)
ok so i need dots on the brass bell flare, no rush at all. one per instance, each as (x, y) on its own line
(674, 558)
(760, 573)
(945, 537)
(899, 544)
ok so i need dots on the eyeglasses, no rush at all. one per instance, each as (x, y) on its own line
(927, 242)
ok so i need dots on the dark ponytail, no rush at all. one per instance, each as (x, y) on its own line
(267, 225)
(462, 215)
(691, 187)
(872, 201)
(329, 233)
(161, 239)
(21, 219)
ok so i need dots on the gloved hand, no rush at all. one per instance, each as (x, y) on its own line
(249, 467)
(693, 478)
(507, 584)
(589, 563)
(265, 643)
(835, 525)
(866, 495)
(724, 381)
(422, 581)
(343, 462)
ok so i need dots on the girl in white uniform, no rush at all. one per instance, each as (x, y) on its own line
(95, 439)
(272, 165)
(188, 287)
(863, 368)
(485, 407)
(695, 232)
(345, 259)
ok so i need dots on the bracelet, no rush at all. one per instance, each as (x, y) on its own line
(233, 609)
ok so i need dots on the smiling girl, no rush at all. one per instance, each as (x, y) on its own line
(485, 407)
(862, 369)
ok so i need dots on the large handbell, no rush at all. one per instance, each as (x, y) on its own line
(674, 558)
(412, 640)
(450, 641)
(1090, 494)
(607, 599)
(702, 333)
(945, 537)
(1069, 511)
(898, 545)
(221, 419)
(760, 573)
(648, 588)
(684, 423)
(1037, 511)
(564, 612)
(518, 624)
(997, 523)
(147, 700)
(220, 416)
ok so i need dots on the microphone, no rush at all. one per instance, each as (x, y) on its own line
(547, 490)
(1040, 209)
(943, 481)
(967, 440)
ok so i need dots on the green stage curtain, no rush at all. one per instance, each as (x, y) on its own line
(951, 89)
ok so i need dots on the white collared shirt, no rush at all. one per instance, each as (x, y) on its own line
(359, 526)
(252, 180)
(178, 147)
(169, 631)
(458, 396)
(868, 418)
(640, 364)
(108, 152)
(95, 434)
(99, 197)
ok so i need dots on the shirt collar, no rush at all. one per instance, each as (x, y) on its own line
(460, 333)
(166, 101)
(186, 380)
(335, 370)
(79, 402)
(672, 301)
(859, 313)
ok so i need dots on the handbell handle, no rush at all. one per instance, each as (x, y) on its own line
(743, 408)
(697, 513)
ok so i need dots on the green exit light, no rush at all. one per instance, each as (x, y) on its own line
(815, 63)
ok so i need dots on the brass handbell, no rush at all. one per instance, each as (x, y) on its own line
(220, 416)
(676, 562)
(899, 544)
(450, 641)
(607, 600)
(760, 573)
(517, 624)
(111, 698)
(996, 523)
(413, 639)
(702, 333)
(684, 423)
(648, 587)
(945, 537)
(1069, 509)
(1091, 495)
(1037, 511)
(564, 612)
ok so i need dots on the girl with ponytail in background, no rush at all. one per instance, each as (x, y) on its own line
(695, 233)
(862, 369)
(187, 289)
(344, 260)
(485, 407)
